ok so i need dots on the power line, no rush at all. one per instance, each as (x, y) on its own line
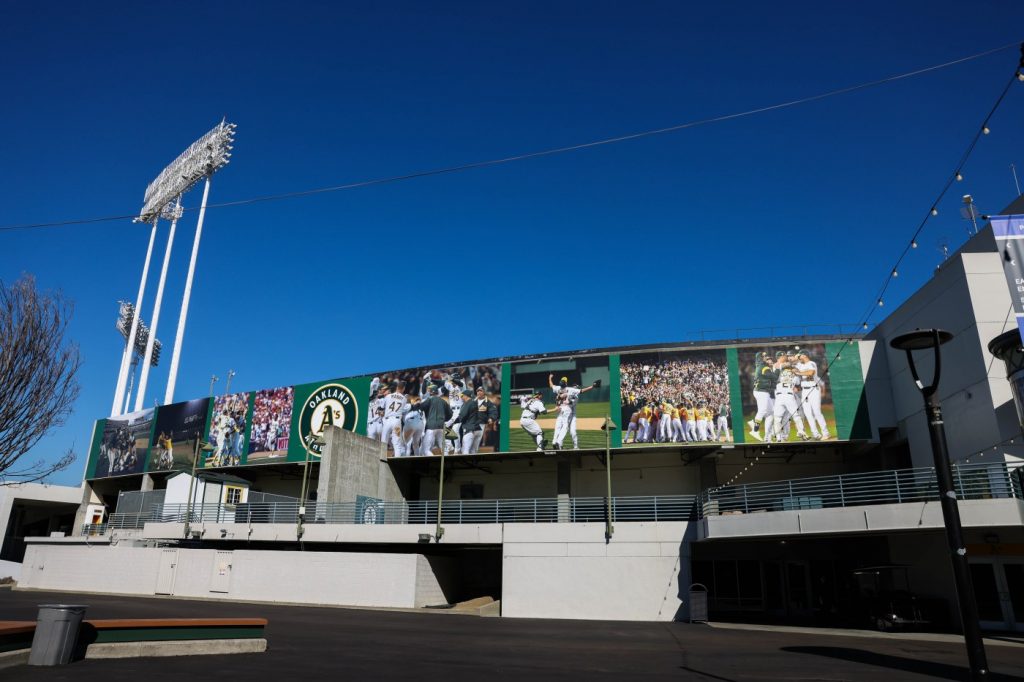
(551, 151)
(932, 211)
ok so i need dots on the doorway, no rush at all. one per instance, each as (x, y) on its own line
(999, 592)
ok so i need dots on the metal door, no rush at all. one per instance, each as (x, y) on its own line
(165, 577)
(220, 581)
(999, 592)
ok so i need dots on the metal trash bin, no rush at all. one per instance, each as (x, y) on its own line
(56, 634)
(698, 603)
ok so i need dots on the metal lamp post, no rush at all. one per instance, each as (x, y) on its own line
(315, 440)
(932, 339)
(201, 446)
(608, 427)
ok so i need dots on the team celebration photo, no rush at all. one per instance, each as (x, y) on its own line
(559, 404)
(786, 396)
(675, 397)
(430, 411)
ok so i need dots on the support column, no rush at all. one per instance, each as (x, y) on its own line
(564, 475)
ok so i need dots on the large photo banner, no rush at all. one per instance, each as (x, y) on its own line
(559, 404)
(675, 397)
(786, 393)
(271, 425)
(228, 430)
(177, 429)
(124, 444)
(427, 411)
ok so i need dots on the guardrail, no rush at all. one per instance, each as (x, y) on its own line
(972, 482)
(528, 510)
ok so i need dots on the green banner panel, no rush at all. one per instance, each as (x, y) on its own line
(337, 402)
(94, 447)
(506, 405)
(847, 379)
(739, 431)
(615, 398)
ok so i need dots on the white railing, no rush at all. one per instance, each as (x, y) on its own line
(972, 482)
(527, 510)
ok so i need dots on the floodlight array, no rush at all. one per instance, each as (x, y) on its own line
(205, 156)
(124, 325)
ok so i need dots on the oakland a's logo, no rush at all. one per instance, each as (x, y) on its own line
(328, 405)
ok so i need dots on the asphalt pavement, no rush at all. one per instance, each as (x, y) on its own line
(313, 643)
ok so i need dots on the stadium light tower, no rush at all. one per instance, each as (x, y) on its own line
(200, 160)
(130, 340)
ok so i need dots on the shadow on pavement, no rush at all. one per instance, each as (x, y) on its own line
(911, 665)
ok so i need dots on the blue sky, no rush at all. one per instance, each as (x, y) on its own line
(788, 218)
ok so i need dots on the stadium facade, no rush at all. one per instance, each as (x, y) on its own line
(803, 515)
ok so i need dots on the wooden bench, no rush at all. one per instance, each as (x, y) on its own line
(158, 629)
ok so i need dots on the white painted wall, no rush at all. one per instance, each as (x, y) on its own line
(334, 578)
(568, 571)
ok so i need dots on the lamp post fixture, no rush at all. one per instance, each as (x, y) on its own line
(932, 339)
(317, 439)
(608, 427)
(439, 531)
(201, 446)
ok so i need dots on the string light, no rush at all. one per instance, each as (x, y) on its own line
(895, 273)
(1020, 76)
(865, 325)
(935, 211)
(985, 130)
(959, 177)
(913, 244)
(880, 303)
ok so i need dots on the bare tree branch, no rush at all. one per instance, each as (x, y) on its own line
(37, 375)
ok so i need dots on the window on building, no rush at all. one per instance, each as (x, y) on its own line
(232, 495)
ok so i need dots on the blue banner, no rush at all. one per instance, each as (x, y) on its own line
(1008, 231)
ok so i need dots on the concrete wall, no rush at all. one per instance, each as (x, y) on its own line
(352, 465)
(875, 518)
(968, 297)
(336, 578)
(568, 571)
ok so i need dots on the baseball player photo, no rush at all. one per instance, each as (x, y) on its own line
(412, 410)
(559, 404)
(227, 430)
(179, 425)
(786, 397)
(675, 397)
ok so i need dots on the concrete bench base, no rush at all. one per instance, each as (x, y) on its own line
(185, 647)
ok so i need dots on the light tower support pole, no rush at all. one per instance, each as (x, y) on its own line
(144, 378)
(129, 348)
(180, 335)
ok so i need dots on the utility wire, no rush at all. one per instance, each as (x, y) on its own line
(548, 152)
(932, 210)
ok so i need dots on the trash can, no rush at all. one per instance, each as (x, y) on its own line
(56, 634)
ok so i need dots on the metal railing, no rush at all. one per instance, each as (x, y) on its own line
(528, 510)
(972, 481)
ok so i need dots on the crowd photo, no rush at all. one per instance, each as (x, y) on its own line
(271, 424)
(675, 397)
(435, 410)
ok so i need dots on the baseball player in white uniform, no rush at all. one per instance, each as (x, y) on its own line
(395, 407)
(566, 397)
(453, 386)
(764, 380)
(375, 420)
(786, 401)
(532, 406)
(810, 390)
(413, 426)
